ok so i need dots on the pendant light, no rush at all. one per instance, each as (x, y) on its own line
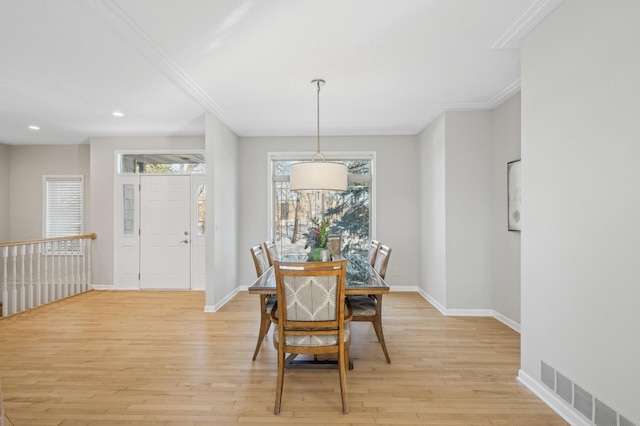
(318, 174)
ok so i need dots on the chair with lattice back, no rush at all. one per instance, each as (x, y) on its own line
(312, 316)
(373, 252)
(272, 251)
(267, 301)
(369, 308)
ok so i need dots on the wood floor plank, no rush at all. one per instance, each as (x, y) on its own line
(155, 358)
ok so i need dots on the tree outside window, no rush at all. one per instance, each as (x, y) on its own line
(348, 212)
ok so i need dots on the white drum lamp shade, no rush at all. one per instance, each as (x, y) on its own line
(318, 176)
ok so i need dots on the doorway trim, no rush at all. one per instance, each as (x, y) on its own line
(126, 265)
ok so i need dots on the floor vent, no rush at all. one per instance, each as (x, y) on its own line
(582, 401)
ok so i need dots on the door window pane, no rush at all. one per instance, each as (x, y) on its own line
(127, 209)
(202, 208)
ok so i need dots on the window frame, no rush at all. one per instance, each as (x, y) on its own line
(272, 157)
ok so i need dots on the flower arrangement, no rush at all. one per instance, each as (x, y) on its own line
(318, 235)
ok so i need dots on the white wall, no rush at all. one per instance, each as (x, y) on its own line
(505, 244)
(4, 192)
(27, 166)
(396, 192)
(470, 263)
(103, 163)
(433, 260)
(222, 212)
(468, 209)
(580, 238)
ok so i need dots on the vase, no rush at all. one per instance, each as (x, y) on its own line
(318, 254)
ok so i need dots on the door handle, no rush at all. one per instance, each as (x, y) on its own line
(186, 241)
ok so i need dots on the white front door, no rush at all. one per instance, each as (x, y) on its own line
(165, 232)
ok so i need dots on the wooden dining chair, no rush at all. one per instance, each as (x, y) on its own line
(267, 301)
(334, 244)
(373, 252)
(369, 308)
(312, 316)
(272, 251)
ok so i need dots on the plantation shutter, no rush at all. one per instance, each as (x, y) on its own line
(64, 206)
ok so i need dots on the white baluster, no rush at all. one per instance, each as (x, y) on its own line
(14, 290)
(47, 292)
(30, 298)
(73, 275)
(66, 269)
(59, 291)
(23, 255)
(52, 293)
(5, 283)
(38, 276)
(78, 260)
(88, 251)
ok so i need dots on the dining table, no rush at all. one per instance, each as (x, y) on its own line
(361, 279)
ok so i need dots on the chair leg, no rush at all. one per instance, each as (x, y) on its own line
(347, 360)
(279, 385)
(377, 326)
(264, 329)
(342, 372)
(265, 322)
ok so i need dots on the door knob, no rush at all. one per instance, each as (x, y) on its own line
(185, 241)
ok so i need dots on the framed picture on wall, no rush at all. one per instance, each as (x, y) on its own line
(514, 194)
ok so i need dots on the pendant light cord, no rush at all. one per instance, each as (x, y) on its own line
(319, 82)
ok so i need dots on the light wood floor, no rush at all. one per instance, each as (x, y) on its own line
(154, 358)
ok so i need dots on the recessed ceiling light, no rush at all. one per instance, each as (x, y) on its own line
(34, 128)
(117, 114)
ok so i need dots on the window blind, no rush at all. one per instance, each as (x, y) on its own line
(64, 206)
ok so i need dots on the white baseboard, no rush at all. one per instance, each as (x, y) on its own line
(217, 306)
(507, 321)
(469, 312)
(433, 301)
(403, 288)
(556, 403)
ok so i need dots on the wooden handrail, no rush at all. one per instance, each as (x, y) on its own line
(93, 236)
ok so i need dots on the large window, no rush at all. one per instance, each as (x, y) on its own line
(63, 206)
(350, 212)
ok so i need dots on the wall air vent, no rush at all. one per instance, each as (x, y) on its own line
(625, 422)
(548, 375)
(583, 401)
(604, 415)
(563, 388)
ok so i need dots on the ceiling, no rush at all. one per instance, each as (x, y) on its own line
(390, 66)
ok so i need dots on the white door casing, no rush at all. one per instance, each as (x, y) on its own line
(165, 232)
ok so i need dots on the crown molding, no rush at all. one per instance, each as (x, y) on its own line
(120, 22)
(508, 92)
(525, 23)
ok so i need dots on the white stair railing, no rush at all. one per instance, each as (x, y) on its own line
(36, 272)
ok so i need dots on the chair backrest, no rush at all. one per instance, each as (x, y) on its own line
(373, 252)
(382, 259)
(272, 251)
(313, 295)
(334, 244)
(260, 259)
